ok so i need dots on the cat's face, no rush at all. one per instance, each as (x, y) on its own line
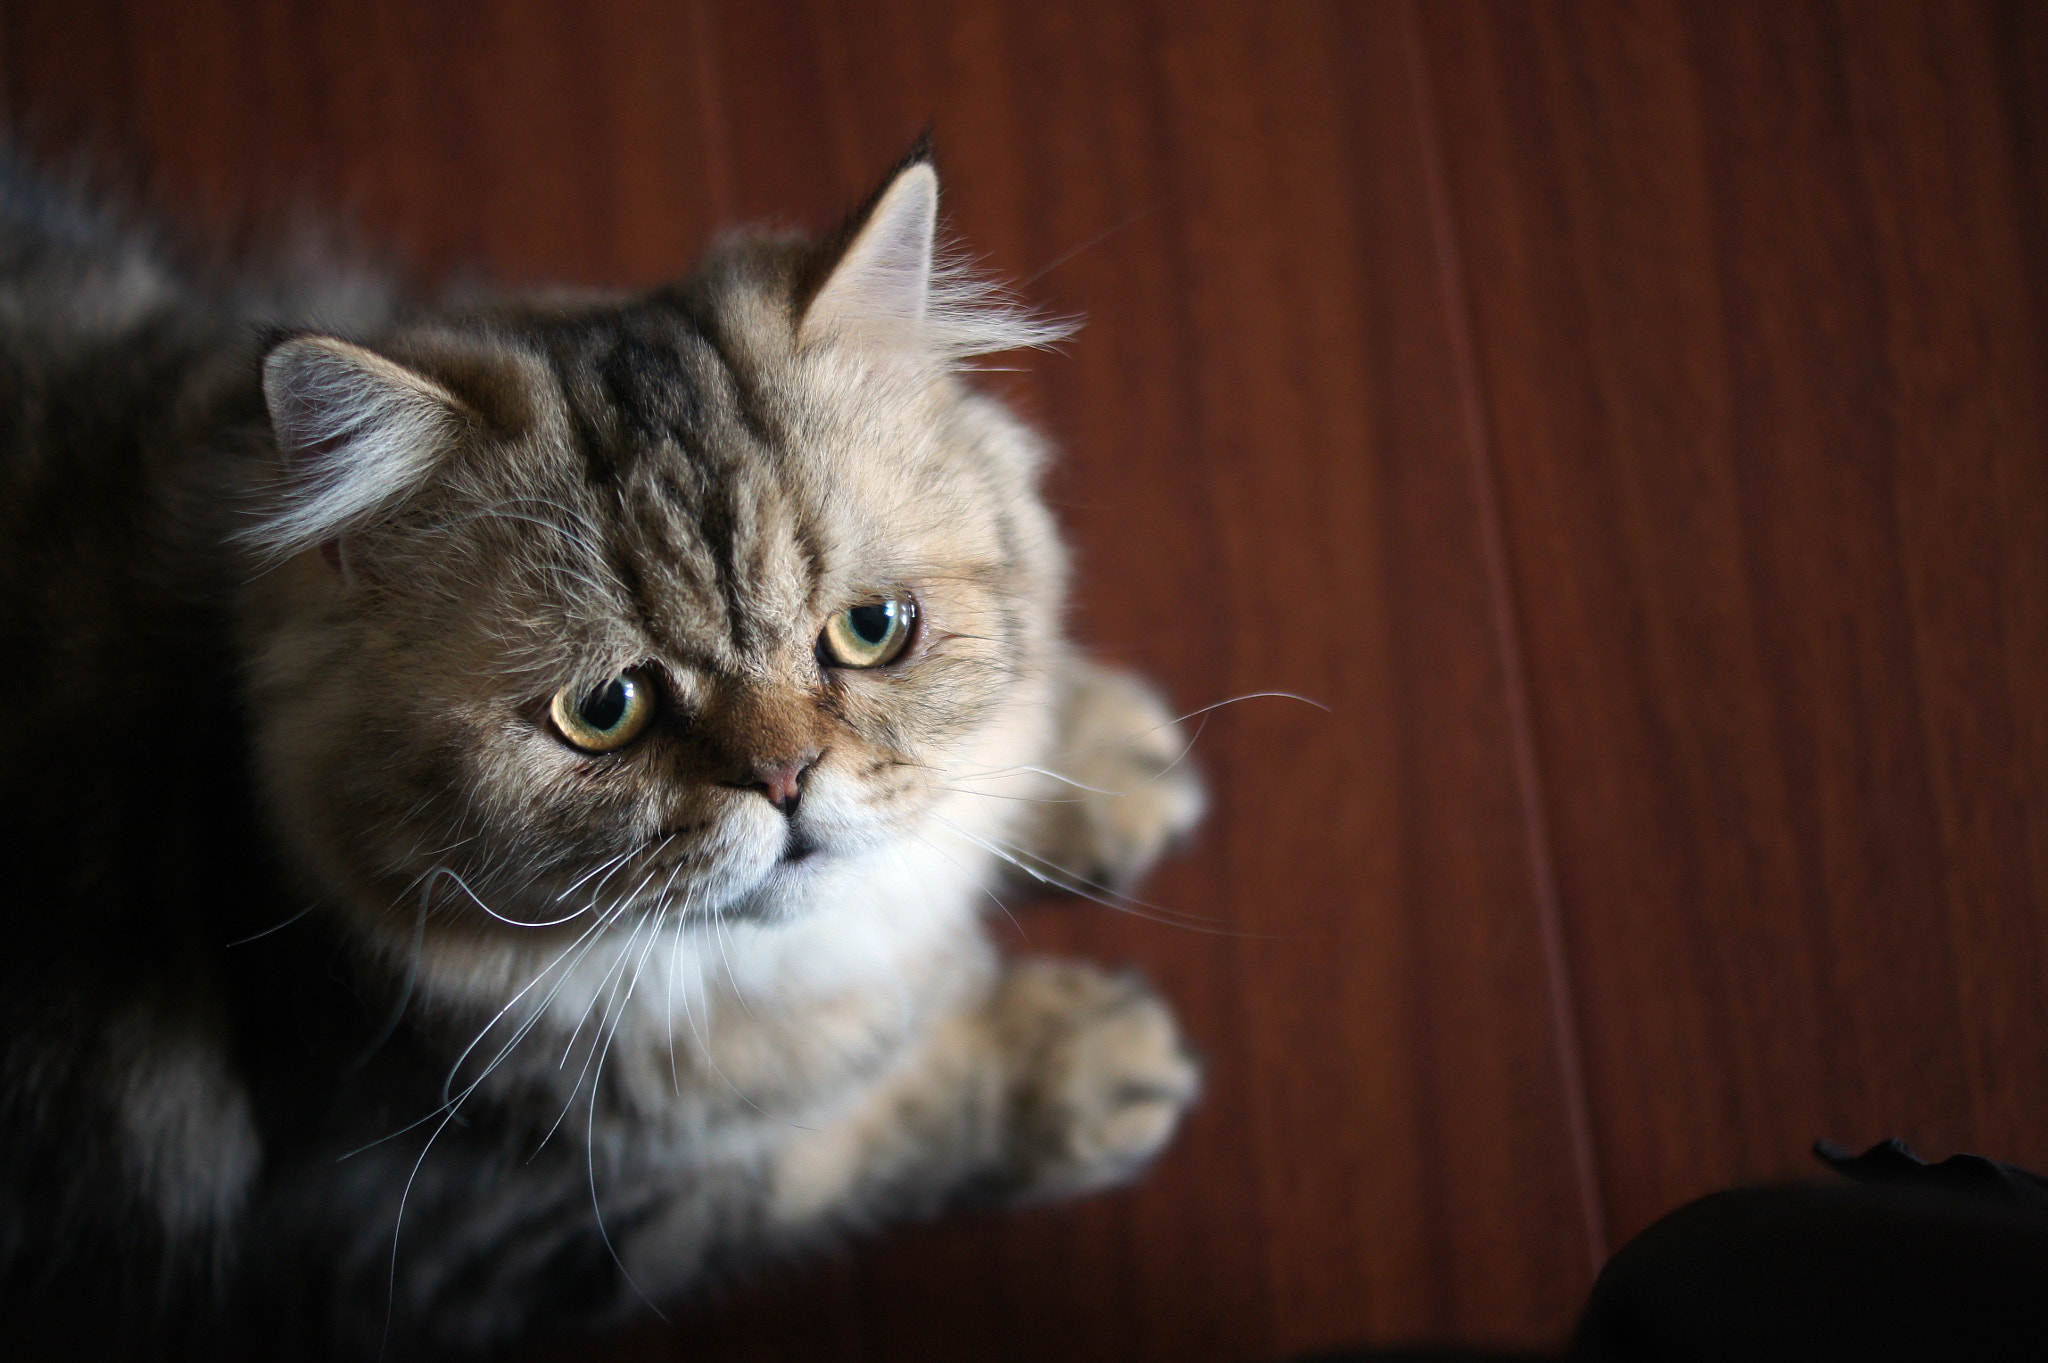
(684, 603)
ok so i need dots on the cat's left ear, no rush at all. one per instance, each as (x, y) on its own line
(879, 290)
(888, 285)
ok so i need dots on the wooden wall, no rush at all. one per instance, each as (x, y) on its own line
(1628, 417)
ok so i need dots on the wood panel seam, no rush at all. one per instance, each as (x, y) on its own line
(1507, 630)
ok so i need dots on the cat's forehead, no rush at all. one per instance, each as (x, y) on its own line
(744, 490)
(646, 380)
(685, 395)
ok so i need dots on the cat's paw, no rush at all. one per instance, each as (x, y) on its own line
(1128, 793)
(1102, 1076)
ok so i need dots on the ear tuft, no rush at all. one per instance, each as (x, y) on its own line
(356, 433)
(894, 288)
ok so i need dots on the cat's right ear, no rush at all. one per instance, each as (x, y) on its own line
(356, 433)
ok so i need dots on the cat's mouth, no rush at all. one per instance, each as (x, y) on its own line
(799, 847)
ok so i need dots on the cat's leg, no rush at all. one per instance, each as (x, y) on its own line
(1068, 1078)
(1123, 790)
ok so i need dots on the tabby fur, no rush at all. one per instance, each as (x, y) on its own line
(347, 1007)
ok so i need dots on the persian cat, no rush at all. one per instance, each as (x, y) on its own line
(501, 795)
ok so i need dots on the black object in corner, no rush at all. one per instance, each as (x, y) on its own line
(1912, 1261)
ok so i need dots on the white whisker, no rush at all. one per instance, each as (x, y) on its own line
(463, 885)
(718, 931)
(1062, 879)
(610, 862)
(703, 1038)
(993, 897)
(590, 1122)
(992, 773)
(614, 977)
(274, 927)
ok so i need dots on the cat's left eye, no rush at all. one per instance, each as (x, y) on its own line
(868, 635)
(605, 717)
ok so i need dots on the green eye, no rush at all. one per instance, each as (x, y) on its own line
(868, 635)
(608, 716)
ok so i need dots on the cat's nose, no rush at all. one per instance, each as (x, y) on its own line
(783, 783)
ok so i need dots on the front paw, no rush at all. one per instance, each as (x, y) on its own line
(1129, 793)
(1102, 1077)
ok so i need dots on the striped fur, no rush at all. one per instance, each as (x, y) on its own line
(349, 1007)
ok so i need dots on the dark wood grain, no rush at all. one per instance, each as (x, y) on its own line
(1626, 418)
(1761, 332)
(535, 141)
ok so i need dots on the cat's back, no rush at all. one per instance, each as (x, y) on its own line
(102, 349)
(123, 350)
(118, 766)
(94, 320)
(73, 275)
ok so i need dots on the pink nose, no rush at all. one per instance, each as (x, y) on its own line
(784, 784)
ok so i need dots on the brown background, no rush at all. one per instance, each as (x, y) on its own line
(1630, 419)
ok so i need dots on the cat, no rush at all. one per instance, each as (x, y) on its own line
(504, 793)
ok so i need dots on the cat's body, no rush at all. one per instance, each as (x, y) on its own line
(541, 765)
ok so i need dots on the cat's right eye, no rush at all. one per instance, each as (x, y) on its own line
(606, 717)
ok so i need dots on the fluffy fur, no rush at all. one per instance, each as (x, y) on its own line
(348, 1005)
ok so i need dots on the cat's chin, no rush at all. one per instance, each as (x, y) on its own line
(792, 884)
